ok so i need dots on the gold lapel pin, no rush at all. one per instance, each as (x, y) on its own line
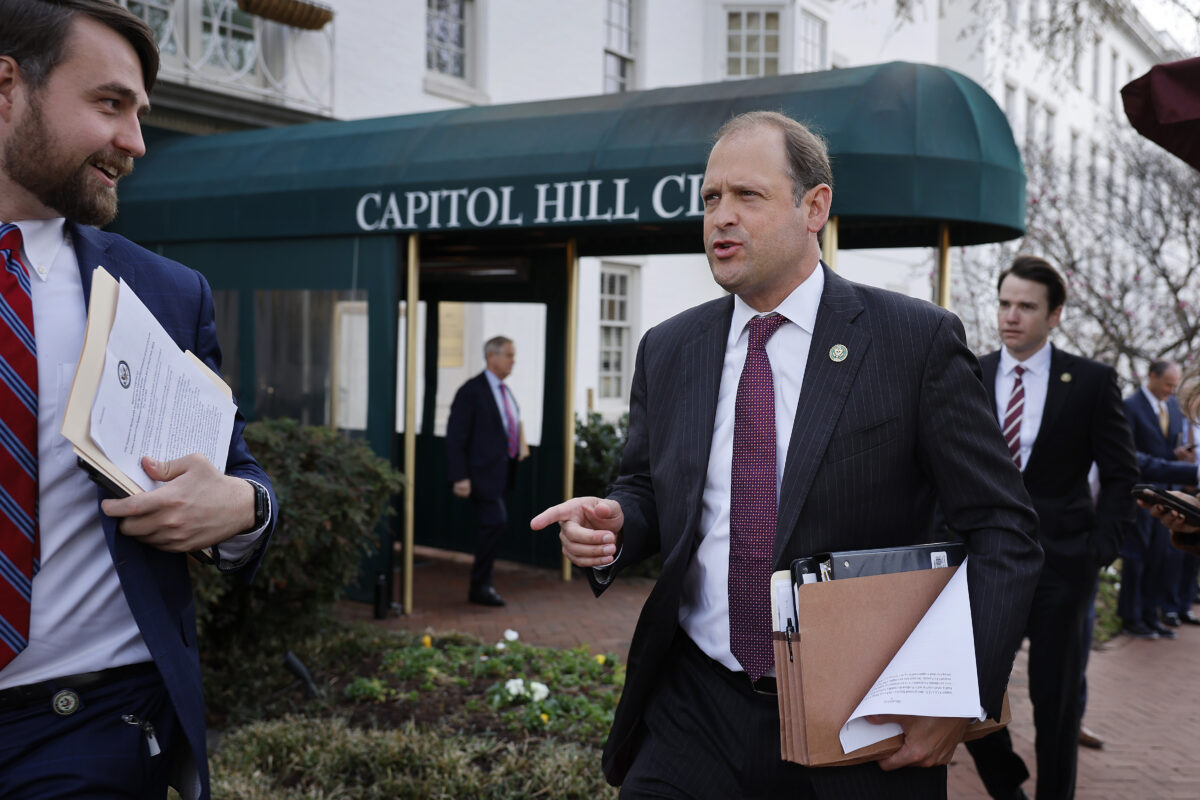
(1065, 377)
(838, 353)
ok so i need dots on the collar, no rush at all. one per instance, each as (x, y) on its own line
(1155, 403)
(800, 307)
(1036, 364)
(492, 380)
(42, 239)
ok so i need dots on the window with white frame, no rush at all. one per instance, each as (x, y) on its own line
(810, 43)
(616, 332)
(1115, 82)
(446, 36)
(1096, 69)
(618, 46)
(1031, 108)
(1073, 159)
(227, 35)
(752, 43)
(157, 14)
(1012, 12)
(1050, 130)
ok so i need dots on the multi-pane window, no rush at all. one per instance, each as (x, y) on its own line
(446, 37)
(618, 46)
(233, 31)
(615, 331)
(157, 14)
(752, 44)
(810, 43)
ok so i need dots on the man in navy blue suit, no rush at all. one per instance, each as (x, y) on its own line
(484, 442)
(103, 697)
(1157, 423)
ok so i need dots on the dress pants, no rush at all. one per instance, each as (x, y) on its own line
(1180, 581)
(1143, 582)
(1056, 631)
(94, 752)
(492, 523)
(707, 734)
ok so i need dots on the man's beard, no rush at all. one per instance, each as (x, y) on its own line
(32, 160)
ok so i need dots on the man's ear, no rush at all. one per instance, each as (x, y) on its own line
(818, 200)
(10, 80)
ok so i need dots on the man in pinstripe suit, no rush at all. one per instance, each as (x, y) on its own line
(880, 416)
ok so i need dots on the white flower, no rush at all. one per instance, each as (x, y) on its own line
(538, 691)
(511, 635)
(500, 645)
(515, 687)
(483, 658)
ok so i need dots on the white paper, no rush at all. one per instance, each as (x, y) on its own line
(932, 675)
(783, 612)
(153, 400)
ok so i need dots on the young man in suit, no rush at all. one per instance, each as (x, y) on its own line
(800, 414)
(484, 442)
(1147, 558)
(1059, 413)
(100, 690)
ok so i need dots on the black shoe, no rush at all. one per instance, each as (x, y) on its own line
(1191, 619)
(1138, 630)
(485, 596)
(1162, 630)
(1172, 619)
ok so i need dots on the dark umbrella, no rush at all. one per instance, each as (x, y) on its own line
(1164, 106)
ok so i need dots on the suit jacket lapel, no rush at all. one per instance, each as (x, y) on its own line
(826, 385)
(989, 365)
(91, 251)
(1058, 386)
(702, 360)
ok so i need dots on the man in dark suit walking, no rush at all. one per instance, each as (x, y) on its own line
(801, 414)
(1059, 414)
(100, 686)
(484, 442)
(1157, 424)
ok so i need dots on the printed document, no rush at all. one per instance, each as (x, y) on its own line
(155, 400)
(932, 675)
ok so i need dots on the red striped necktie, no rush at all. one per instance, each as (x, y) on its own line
(18, 448)
(753, 506)
(1012, 417)
(510, 423)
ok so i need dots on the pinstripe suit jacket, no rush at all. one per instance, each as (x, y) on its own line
(902, 424)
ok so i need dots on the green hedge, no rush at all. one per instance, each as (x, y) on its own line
(332, 490)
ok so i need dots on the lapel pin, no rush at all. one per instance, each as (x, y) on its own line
(1065, 377)
(838, 353)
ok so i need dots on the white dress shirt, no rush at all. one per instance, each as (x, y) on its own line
(1159, 407)
(704, 608)
(1036, 381)
(498, 395)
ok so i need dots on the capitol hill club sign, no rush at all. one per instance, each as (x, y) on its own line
(594, 201)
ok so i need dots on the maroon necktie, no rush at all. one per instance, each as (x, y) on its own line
(1012, 417)
(753, 505)
(510, 423)
(18, 447)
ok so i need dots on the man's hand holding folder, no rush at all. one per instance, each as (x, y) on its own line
(194, 508)
(928, 741)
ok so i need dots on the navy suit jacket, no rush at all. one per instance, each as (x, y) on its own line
(155, 582)
(477, 440)
(1147, 435)
(1083, 421)
(880, 438)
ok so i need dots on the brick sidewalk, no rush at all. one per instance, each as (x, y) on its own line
(1144, 696)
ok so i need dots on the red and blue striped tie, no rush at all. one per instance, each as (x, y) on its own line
(753, 505)
(510, 423)
(18, 448)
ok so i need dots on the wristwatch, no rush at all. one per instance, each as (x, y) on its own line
(262, 506)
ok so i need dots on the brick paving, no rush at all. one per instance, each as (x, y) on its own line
(1144, 696)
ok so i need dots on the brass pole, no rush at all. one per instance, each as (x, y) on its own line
(943, 273)
(410, 412)
(569, 383)
(829, 243)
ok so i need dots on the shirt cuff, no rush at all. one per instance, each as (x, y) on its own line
(604, 574)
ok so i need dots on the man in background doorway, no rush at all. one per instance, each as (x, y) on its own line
(484, 442)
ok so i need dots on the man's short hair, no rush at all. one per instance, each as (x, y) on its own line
(34, 33)
(495, 345)
(807, 153)
(1157, 368)
(1032, 268)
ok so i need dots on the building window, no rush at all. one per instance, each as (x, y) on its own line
(1049, 133)
(1030, 122)
(233, 32)
(446, 37)
(1010, 103)
(1116, 82)
(1012, 12)
(615, 331)
(618, 49)
(810, 56)
(1096, 69)
(1073, 159)
(752, 44)
(157, 14)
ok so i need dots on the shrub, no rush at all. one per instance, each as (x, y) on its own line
(598, 448)
(332, 491)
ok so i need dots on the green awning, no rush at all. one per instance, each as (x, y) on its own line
(913, 146)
